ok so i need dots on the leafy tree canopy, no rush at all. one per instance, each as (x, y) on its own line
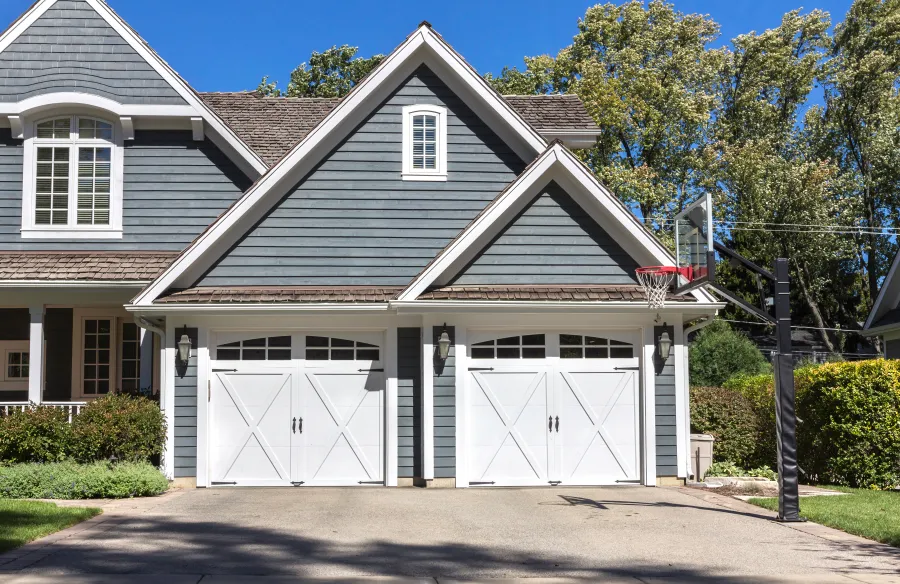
(332, 73)
(720, 353)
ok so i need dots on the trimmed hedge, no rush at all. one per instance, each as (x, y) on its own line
(70, 480)
(729, 418)
(115, 426)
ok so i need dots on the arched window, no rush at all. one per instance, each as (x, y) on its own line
(259, 349)
(424, 142)
(516, 347)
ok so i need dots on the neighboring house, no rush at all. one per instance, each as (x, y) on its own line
(884, 320)
(416, 284)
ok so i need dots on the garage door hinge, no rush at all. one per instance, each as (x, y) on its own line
(209, 390)
(475, 483)
(224, 370)
(636, 481)
(223, 483)
(363, 370)
(554, 483)
(481, 368)
(371, 482)
(628, 368)
(296, 483)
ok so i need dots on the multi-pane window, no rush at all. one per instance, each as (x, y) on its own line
(73, 171)
(131, 357)
(424, 142)
(518, 347)
(586, 347)
(16, 365)
(335, 349)
(260, 349)
(97, 355)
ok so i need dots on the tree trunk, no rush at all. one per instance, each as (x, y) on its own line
(814, 307)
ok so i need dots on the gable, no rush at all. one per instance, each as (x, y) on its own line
(70, 47)
(552, 240)
(353, 221)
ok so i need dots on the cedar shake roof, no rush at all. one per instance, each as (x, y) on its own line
(276, 294)
(271, 126)
(547, 293)
(84, 266)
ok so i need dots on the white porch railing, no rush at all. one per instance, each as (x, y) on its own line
(72, 408)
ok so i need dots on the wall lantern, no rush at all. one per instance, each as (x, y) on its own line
(444, 344)
(184, 349)
(664, 345)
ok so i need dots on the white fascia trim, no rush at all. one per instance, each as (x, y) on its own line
(24, 21)
(890, 281)
(35, 105)
(423, 306)
(573, 138)
(878, 331)
(254, 308)
(72, 284)
(313, 142)
(70, 233)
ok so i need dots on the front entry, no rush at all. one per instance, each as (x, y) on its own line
(297, 410)
(553, 408)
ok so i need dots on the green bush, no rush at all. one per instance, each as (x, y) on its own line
(121, 426)
(729, 469)
(729, 418)
(850, 434)
(718, 353)
(40, 434)
(759, 390)
(70, 480)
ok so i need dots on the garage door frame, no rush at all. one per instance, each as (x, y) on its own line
(643, 353)
(207, 341)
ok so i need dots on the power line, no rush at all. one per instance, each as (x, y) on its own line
(812, 328)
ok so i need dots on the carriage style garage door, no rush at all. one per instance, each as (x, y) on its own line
(302, 409)
(553, 407)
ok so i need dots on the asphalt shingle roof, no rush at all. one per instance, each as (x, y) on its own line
(84, 266)
(271, 126)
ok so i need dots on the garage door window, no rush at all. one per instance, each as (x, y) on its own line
(519, 347)
(585, 347)
(261, 349)
(335, 349)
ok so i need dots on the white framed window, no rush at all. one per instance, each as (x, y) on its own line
(576, 346)
(258, 349)
(337, 349)
(130, 359)
(514, 347)
(424, 143)
(16, 365)
(72, 185)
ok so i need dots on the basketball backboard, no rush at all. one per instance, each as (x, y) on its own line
(694, 252)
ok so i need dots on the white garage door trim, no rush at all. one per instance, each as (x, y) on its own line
(323, 425)
(582, 440)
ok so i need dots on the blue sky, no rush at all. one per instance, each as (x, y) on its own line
(227, 45)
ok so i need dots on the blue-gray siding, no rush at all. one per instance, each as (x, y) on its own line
(353, 221)
(71, 48)
(409, 402)
(173, 189)
(186, 412)
(552, 241)
(666, 447)
(444, 407)
(892, 349)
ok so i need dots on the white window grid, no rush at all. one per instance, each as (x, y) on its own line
(532, 346)
(337, 349)
(98, 355)
(276, 348)
(424, 137)
(17, 365)
(130, 364)
(576, 346)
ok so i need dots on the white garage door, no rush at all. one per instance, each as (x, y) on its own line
(302, 409)
(558, 408)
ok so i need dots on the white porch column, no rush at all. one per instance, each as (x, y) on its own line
(146, 359)
(36, 355)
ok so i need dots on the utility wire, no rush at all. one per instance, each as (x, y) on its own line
(812, 328)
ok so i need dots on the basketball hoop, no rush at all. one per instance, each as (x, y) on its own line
(655, 280)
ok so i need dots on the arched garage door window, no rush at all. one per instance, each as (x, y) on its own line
(259, 349)
(588, 347)
(336, 349)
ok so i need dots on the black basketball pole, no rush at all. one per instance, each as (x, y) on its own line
(785, 414)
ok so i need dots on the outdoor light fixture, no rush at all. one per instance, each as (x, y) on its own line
(664, 345)
(184, 349)
(444, 344)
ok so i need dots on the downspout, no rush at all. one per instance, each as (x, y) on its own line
(687, 382)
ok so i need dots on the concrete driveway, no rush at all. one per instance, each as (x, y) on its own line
(622, 534)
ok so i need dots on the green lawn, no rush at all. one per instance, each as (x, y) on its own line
(24, 521)
(870, 514)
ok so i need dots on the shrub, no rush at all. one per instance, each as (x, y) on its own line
(121, 426)
(729, 469)
(729, 418)
(719, 353)
(759, 390)
(850, 433)
(39, 434)
(70, 480)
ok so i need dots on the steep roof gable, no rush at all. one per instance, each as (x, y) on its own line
(424, 46)
(143, 81)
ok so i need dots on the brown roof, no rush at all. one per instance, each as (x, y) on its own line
(548, 293)
(86, 266)
(271, 126)
(277, 294)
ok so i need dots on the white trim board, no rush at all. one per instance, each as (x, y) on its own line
(887, 298)
(222, 134)
(424, 46)
(559, 164)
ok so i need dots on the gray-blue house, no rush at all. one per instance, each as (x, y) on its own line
(884, 319)
(418, 283)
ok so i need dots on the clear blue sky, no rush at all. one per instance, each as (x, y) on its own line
(227, 45)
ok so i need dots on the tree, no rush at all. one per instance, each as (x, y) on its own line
(332, 73)
(719, 353)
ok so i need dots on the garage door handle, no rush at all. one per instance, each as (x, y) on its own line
(551, 424)
(301, 425)
(557, 424)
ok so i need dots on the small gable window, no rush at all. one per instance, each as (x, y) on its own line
(72, 179)
(424, 142)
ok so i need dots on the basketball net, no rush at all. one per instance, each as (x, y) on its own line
(655, 280)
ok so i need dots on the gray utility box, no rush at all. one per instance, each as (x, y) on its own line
(701, 454)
